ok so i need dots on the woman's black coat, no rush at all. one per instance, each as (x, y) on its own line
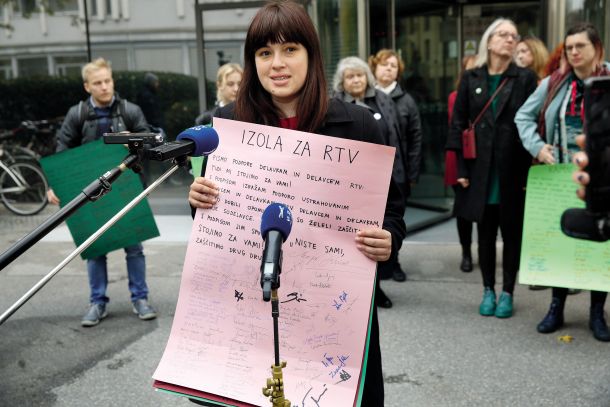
(384, 110)
(348, 121)
(410, 130)
(497, 141)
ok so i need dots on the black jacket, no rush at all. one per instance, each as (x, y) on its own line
(80, 125)
(384, 111)
(410, 131)
(497, 141)
(352, 122)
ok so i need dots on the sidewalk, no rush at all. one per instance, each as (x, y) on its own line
(437, 350)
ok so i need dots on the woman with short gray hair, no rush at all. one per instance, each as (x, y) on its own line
(354, 83)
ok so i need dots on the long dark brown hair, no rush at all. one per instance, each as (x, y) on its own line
(276, 23)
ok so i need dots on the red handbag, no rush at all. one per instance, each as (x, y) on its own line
(469, 142)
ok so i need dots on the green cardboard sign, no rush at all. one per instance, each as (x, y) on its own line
(548, 257)
(70, 171)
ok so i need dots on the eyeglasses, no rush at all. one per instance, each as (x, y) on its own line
(505, 34)
(579, 46)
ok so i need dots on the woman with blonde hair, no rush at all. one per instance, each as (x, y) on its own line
(532, 54)
(228, 79)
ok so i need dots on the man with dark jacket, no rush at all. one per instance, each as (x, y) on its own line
(87, 121)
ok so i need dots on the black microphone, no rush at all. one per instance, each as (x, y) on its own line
(582, 224)
(276, 224)
(195, 141)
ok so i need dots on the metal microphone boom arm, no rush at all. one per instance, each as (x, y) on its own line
(86, 244)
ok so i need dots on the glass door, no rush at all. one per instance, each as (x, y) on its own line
(427, 38)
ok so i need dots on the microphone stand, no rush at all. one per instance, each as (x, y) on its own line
(132, 159)
(91, 193)
(274, 388)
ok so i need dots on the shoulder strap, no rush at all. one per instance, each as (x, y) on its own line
(556, 80)
(84, 110)
(474, 123)
(123, 114)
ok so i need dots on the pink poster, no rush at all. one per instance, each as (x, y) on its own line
(221, 342)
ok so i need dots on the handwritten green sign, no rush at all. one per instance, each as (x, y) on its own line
(548, 257)
(70, 171)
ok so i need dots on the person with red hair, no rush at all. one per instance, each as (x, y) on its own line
(464, 226)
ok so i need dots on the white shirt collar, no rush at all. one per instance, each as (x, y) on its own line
(388, 89)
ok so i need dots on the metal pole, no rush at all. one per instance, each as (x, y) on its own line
(203, 104)
(87, 31)
(6, 315)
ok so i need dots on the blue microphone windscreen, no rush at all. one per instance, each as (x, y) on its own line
(204, 137)
(276, 217)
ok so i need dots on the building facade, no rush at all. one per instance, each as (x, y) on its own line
(432, 36)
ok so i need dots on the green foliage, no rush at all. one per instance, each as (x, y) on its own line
(46, 97)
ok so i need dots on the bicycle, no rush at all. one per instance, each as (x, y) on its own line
(13, 152)
(23, 187)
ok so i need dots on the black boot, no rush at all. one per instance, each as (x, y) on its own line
(597, 323)
(381, 299)
(466, 265)
(553, 319)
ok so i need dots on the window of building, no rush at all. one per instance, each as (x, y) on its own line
(117, 57)
(25, 7)
(380, 28)
(164, 59)
(590, 11)
(6, 70)
(69, 65)
(100, 8)
(32, 66)
(338, 32)
(424, 32)
(63, 5)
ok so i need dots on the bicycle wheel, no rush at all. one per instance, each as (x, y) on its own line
(24, 193)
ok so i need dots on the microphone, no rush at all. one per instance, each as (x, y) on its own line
(195, 141)
(582, 224)
(276, 224)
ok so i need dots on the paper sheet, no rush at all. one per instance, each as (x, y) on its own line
(70, 171)
(548, 257)
(222, 337)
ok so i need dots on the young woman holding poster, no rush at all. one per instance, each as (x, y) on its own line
(283, 85)
(549, 122)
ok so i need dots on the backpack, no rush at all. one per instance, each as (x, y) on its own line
(86, 112)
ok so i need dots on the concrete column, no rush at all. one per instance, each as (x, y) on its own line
(14, 67)
(115, 10)
(50, 65)
(44, 28)
(125, 9)
(180, 8)
(101, 10)
(8, 13)
(186, 59)
(556, 21)
(362, 8)
(81, 9)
